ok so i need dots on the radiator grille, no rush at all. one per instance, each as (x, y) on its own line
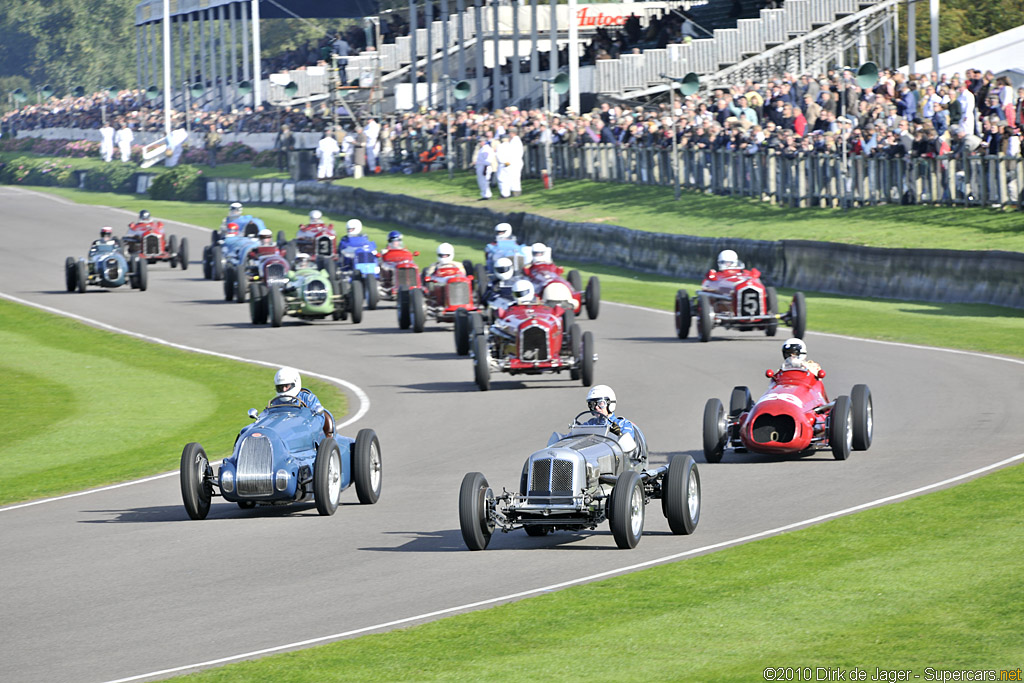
(561, 476)
(255, 467)
(316, 293)
(458, 293)
(405, 278)
(533, 344)
(274, 271)
(540, 480)
(112, 269)
(152, 245)
(551, 476)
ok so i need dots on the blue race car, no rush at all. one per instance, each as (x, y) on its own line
(105, 266)
(357, 260)
(289, 454)
(223, 248)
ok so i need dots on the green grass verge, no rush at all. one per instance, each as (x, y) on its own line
(88, 407)
(973, 327)
(911, 585)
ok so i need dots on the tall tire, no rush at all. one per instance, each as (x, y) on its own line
(196, 491)
(705, 318)
(587, 362)
(241, 284)
(142, 274)
(183, 253)
(593, 297)
(772, 304)
(258, 303)
(367, 466)
(327, 477)
(70, 274)
(133, 272)
(840, 429)
(683, 314)
(627, 521)
(575, 280)
(863, 417)
(568, 320)
(331, 266)
(282, 239)
(372, 287)
(402, 306)
(290, 252)
(739, 401)
(479, 282)
(207, 264)
(217, 262)
(275, 305)
(355, 300)
(172, 249)
(481, 362)
(476, 324)
(81, 276)
(474, 517)
(229, 278)
(798, 315)
(418, 309)
(714, 430)
(462, 332)
(575, 338)
(681, 489)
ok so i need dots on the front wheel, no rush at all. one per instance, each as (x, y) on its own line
(355, 298)
(172, 249)
(627, 520)
(241, 285)
(475, 497)
(462, 332)
(481, 363)
(418, 310)
(372, 292)
(327, 477)
(840, 429)
(682, 495)
(705, 317)
(772, 304)
(682, 314)
(587, 362)
(81, 276)
(275, 305)
(402, 306)
(258, 303)
(739, 401)
(183, 253)
(217, 262)
(367, 466)
(70, 274)
(593, 297)
(714, 430)
(142, 274)
(229, 283)
(196, 490)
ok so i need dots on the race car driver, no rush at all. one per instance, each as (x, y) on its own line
(794, 355)
(601, 403)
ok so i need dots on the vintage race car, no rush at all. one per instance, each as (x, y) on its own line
(737, 298)
(223, 248)
(307, 294)
(147, 238)
(360, 263)
(581, 478)
(105, 266)
(444, 292)
(257, 262)
(566, 291)
(284, 457)
(528, 340)
(316, 239)
(398, 271)
(793, 417)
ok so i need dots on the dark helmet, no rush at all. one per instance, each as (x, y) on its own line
(106, 233)
(144, 215)
(394, 235)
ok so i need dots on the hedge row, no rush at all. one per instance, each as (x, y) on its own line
(234, 153)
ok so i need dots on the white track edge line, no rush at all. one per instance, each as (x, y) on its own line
(585, 579)
(361, 396)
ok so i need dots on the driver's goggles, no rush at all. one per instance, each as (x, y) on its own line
(281, 388)
(597, 403)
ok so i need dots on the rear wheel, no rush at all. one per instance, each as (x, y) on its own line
(593, 297)
(172, 248)
(587, 362)
(241, 285)
(479, 282)
(229, 283)
(70, 274)
(739, 401)
(575, 280)
(417, 309)
(714, 430)
(798, 315)
(840, 429)
(481, 362)
(207, 264)
(258, 303)
(142, 274)
(372, 292)
(772, 304)
(355, 300)
(183, 253)
(575, 338)
(196, 490)
(275, 305)
(367, 466)
(327, 477)
(217, 262)
(862, 415)
(290, 252)
(81, 275)
(282, 239)
(682, 314)
(627, 520)
(705, 317)
(681, 488)
(402, 306)
(462, 332)
(475, 497)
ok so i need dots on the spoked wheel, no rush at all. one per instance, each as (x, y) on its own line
(475, 501)
(479, 282)
(367, 466)
(714, 430)
(862, 415)
(772, 304)
(196, 490)
(682, 494)
(683, 314)
(840, 429)
(327, 477)
(627, 520)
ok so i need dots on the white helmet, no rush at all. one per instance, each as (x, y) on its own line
(354, 226)
(288, 382)
(265, 235)
(503, 269)
(502, 231)
(316, 216)
(301, 261)
(445, 252)
(235, 209)
(602, 392)
(522, 290)
(541, 253)
(728, 259)
(794, 347)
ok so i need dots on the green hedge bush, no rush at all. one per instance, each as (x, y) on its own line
(181, 183)
(30, 171)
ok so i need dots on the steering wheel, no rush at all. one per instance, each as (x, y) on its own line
(603, 421)
(286, 401)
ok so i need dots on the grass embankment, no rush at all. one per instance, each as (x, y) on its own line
(911, 585)
(973, 327)
(84, 407)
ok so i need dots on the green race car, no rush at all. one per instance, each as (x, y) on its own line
(307, 294)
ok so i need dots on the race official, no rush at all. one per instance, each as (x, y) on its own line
(486, 164)
(107, 142)
(326, 152)
(123, 139)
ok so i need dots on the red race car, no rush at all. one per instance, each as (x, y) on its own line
(567, 291)
(319, 240)
(444, 292)
(261, 263)
(793, 417)
(736, 298)
(146, 239)
(398, 271)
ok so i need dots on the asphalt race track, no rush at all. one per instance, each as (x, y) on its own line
(120, 583)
